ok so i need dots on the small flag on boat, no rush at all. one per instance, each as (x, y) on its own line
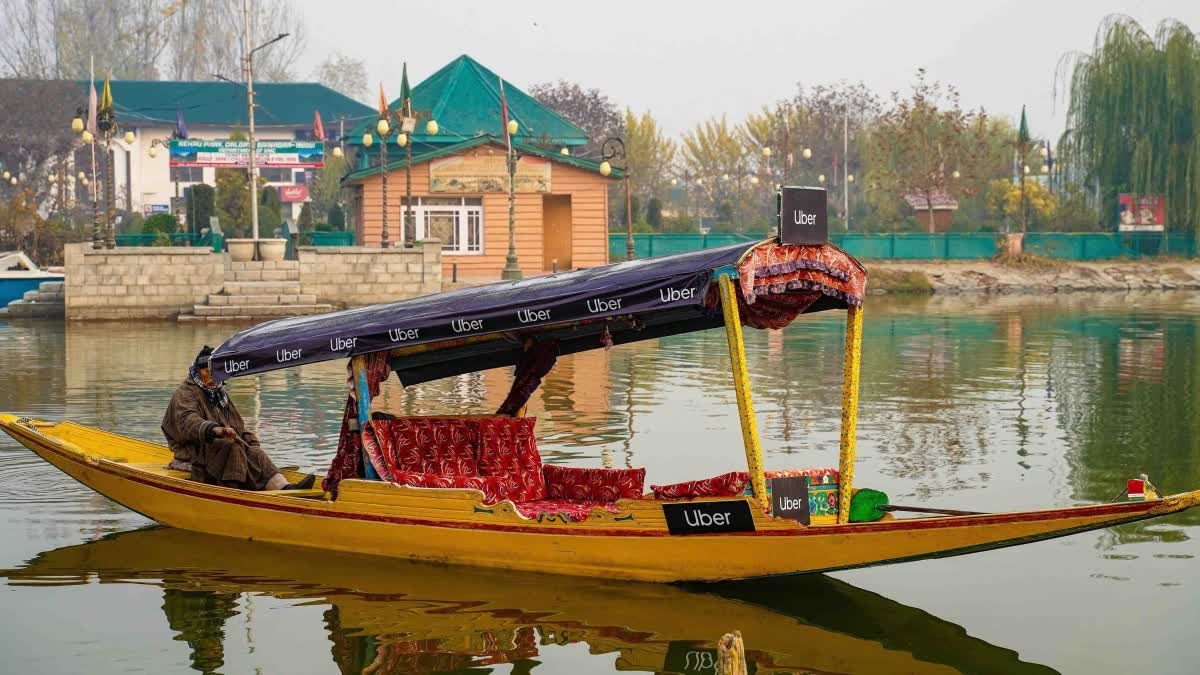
(1137, 489)
(318, 128)
(180, 128)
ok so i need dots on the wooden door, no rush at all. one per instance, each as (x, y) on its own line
(556, 232)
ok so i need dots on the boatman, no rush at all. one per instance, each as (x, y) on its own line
(205, 431)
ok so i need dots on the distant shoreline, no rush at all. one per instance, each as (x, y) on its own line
(1030, 276)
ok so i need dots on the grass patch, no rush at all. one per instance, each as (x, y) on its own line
(1029, 262)
(898, 281)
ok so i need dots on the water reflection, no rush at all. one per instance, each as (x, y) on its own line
(387, 617)
(983, 404)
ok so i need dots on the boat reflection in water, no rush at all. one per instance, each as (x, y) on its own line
(386, 616)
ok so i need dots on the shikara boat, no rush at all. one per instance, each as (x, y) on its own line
(473, 490)
(406, 617)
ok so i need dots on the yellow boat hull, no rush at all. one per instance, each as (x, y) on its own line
(454, 526)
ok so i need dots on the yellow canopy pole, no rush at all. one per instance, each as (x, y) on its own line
(849, 411)
(741, 384)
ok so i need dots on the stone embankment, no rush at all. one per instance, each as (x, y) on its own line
(1031, 275)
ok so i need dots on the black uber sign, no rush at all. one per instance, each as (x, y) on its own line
(789, 498)
(803, 216)
(708, 517)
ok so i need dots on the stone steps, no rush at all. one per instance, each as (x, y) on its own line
(47, 302)
(272, 299)
(263, 275)
(261, 288)
(257, 311)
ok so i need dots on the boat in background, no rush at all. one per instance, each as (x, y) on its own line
(19, 275)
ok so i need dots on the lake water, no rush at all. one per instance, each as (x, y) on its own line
(973, 403)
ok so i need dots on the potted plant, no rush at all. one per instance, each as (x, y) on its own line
(240, 250)
(272, 249)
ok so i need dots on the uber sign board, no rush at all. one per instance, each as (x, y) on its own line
(803, 216)
(789, 498)
(708, 517)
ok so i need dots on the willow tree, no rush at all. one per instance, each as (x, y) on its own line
(1134, 115)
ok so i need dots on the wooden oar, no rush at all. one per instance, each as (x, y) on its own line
(922, 509)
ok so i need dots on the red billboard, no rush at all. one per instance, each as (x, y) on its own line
(1143, 213)
(293, 193)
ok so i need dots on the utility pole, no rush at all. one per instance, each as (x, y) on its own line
(253, 170)
(846, 167)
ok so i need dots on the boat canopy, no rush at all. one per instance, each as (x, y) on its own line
(483, 327)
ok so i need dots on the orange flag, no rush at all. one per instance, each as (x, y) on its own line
(383, 106)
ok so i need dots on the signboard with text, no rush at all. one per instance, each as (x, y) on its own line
(789, 498)
(236, 154)
(1143, 213)
(293, 193)
(152, 209)
(477, 173)
(803, 216)
(708, 517)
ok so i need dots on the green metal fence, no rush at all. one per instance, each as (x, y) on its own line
(316, 238)
(1105, 245)
(216, 241)
(670, 243)
(947, 246)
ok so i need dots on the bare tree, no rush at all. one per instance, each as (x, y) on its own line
(589, 109)
(344, 74)
(145, 39)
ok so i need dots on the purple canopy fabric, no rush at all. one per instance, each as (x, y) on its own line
(641, 299)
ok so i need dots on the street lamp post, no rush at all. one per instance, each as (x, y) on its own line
(614, 148)
(511, 270)
(386, 130)
(252, 169)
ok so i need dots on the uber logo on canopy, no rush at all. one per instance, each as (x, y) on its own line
(803, 216)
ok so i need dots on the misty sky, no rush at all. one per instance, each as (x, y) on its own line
(687, 61)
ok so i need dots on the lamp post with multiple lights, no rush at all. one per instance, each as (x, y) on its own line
(614, 148)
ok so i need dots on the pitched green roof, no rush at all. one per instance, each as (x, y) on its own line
(287, 104)
(432, 152)
(464, 98)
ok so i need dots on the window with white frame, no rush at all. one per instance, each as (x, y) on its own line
(456, 221)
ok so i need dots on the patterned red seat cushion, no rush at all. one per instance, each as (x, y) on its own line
(441, 446)
(601, 485)
(734, 483)
(507, 448)
(572, 510)
(726, 485)
(494, 488)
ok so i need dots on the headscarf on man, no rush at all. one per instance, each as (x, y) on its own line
(216, 394)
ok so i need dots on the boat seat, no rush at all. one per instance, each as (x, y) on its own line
(498, 456)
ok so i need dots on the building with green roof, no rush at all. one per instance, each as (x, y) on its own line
(213, 110)
(460, 179)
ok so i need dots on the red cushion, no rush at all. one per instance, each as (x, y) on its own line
(507, 448)
(429, 445)
(734, 483)
(602, 485)
(574, 511)
(726, 485)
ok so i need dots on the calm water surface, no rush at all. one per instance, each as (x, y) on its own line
(982, 404)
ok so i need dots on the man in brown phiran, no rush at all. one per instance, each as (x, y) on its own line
(206, 433)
